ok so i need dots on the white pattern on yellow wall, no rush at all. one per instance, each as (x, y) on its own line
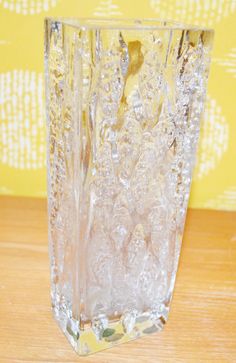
(228, 62)
(214, 138)
(28, 7)
(225, 200)
(22, 127)
(22, 121)
(205, 12)
(107, 8)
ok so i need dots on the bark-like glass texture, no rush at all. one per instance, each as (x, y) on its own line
(124, 102)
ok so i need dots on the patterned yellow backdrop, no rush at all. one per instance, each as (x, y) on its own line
(22, 120)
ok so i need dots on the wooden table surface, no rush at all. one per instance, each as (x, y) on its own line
(202, 322)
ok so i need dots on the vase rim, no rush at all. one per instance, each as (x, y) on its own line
(127, 23)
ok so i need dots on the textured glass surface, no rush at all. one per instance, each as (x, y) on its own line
(124, 100)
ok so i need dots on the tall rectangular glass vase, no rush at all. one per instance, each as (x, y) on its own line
(124, 102)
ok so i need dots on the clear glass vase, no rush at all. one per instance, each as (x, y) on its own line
(124, 102)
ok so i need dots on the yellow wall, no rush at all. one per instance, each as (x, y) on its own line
(22, 131)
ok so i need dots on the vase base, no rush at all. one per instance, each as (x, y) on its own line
(102, 333)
